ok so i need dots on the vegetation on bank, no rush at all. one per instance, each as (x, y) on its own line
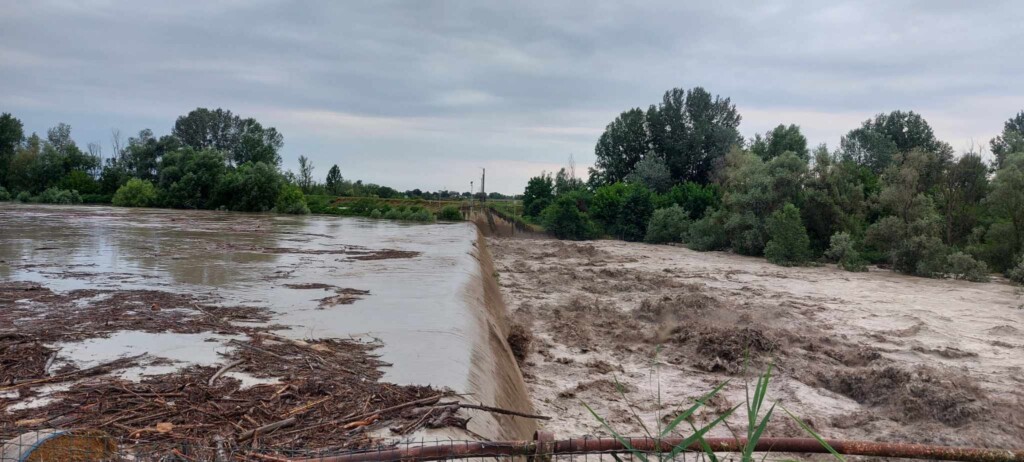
(213, 159)
(892, 194)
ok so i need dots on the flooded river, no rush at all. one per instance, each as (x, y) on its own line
(412, 287)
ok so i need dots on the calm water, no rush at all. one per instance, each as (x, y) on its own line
(416, 306)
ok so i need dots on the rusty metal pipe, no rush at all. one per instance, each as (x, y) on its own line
(610, 445)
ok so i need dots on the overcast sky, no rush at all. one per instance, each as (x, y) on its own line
(423, 93)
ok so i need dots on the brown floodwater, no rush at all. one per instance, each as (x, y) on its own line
(417, 304)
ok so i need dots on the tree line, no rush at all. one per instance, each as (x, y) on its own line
(891, 194)
(212, 159)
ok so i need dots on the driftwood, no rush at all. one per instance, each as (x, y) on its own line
(266, 429)
(222, 370)
(89, 370)
(491, 409)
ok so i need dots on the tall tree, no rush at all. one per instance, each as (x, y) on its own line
(11, 134)
(693, 132)
(141, 157)
(244, 140)
(623, 143)
(959, 196)
(779, 140)
(334, 179)
(1011, 140)
(1006, 200)
(877, 142)
(305, 174)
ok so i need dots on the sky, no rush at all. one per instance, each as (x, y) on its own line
(423, 94)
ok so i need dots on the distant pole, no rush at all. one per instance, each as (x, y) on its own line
(483, 184)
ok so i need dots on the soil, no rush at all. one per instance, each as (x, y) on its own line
(875, 355)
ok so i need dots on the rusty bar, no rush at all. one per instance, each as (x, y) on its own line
(611, 445)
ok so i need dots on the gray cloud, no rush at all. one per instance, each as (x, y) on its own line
(421, 94)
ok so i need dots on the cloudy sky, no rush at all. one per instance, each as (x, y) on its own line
(424, 93)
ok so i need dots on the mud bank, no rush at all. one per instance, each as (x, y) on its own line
(875, 355)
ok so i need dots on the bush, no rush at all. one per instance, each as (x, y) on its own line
(789, 244)
(667, 225)
(450, 213)
(963, 266)
(252, 187)
(291, 201)
(1016, 274)
(422, 215)
(564, 220)
(708, 233)
(59, 196)
(841, 251)
(637, 208)
(24, 196)
(376, 213)
(97, 198)
(4, 195)
(921, 256)
(135, 193)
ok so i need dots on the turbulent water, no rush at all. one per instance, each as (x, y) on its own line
(425, 300)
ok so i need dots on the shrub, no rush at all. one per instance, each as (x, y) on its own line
(637, 208)
(963, 266)
(789, 244)
(1016, 274)
(59, 196)
(24, 196)
(291, 201)
(97, 198)
(422, 215)
(252, 187)
(4, 195)
(667, 225)
(564, 220)
(707, 233)
(450, 213)
(921, 256)
(135, 193)
(841, 251)
(376, 213)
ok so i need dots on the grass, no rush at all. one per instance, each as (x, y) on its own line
(756, 423)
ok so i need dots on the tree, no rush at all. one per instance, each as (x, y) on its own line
(290, 200)
(692, 131)
(538, 195)
(652, 172)
(189, 177)
(779, 140)
(141, 157)
(244, 140)
(789, 244)
(959, 196)
(564, 220)
(252, 187)
(636, 211)
(11, 134)
(877, 142)
(334, 180)
(1010, 141)
(1006, 200)
(135, 193)
(624, 142)
(305, 174)
(667, 225)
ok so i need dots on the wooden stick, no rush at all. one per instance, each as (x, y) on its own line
(261, 350)
(72, 374)
(494, 410)
(266, 429)
(222, 370)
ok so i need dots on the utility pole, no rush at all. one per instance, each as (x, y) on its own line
(483, 184)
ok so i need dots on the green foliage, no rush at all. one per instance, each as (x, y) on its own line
(920, 255)
(564, 220)
(605, 206)
(707, 233)
(963, 266)
(189, 178)
(877, 142)
(11, 134)
(135, 193)
(780, 140)
(98, 198)
(789, 244)
(842, 251)
(636, 211)
(539, 193)
(24, 197)
(249, 188)
(1006, 200)
(1010, 141)
(243, 140)
(80, 181)
(689, 129)
(652, 172)
(376, 214)
(694, 198)
(1016, 274)
(4, 194)
(667, 225)
(450, 213)
(334, 180)
(291, 201)
(58, 196)
(408, 213)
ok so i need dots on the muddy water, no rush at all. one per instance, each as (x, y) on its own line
(427, 307)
